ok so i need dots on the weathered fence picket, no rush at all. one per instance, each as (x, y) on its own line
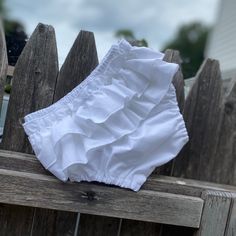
(231, 225)
(33, 202)
(79, 63)
(178, 81)
(226, 151)
(3, 62)
(34, 81)
(151, 228)
(217, 209)
(81, 60)
(202, 117)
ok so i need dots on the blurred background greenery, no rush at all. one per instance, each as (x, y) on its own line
(15, 36)
(190, 41)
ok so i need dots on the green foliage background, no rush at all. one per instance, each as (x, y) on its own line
(190, 41)
(15, 35)
(130, 37)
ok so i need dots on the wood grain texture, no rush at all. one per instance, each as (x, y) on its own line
(202, 117)
(165, 184)
(34, 81)
(79, 63)
(49, 222)
(225, 164)
(189, 187)
(3, 61)
(231, 224)
(178, 81)
(63, 222)
(21, 161)
(127, 225)
(215, 213)
(15, 220)
(40, 191)
(28, 164)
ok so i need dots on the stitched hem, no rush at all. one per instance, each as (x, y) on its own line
(118, 181)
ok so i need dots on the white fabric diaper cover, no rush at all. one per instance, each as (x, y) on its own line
(117, 125)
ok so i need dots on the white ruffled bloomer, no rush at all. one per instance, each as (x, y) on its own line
(116, 126)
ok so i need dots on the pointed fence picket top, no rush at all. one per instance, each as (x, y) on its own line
(178, 81)
(34, 81)
(83, 59)
(33, 86)
(79, 63)
(3, 62)
(202, 117)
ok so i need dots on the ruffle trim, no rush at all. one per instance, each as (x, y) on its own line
(119, 66)
(62, 170)
(108, 105)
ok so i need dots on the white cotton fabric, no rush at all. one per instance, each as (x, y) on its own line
(116, 126)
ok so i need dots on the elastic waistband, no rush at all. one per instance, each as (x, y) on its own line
(120, 48)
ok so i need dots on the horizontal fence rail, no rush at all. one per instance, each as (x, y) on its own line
(174, 201)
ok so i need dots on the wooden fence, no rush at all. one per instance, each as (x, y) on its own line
(33, 202)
